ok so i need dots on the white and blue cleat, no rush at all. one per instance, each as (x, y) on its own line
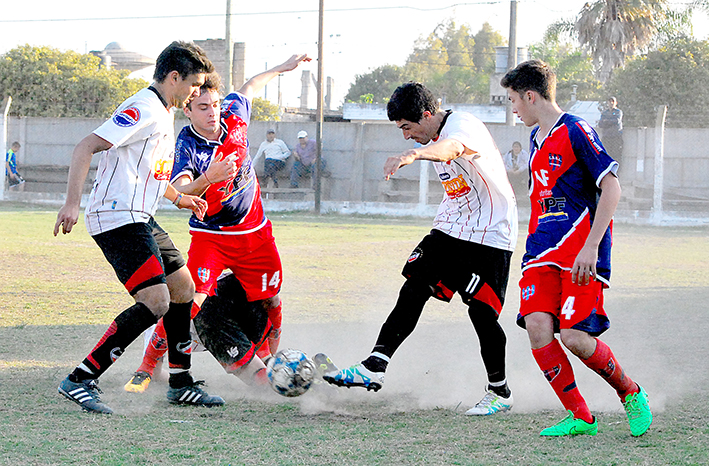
(356, 376)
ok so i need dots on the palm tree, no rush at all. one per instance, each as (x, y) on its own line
(614, 30)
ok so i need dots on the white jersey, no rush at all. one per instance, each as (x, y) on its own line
(479, 205)
(132, 175)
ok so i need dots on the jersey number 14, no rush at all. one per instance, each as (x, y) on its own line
(274, 282)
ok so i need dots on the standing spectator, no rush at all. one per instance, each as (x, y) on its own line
(14, 181)
(305, 154)
(276, 152)
(469, 249)
(611, 126)
(574, 192)
(516, 163)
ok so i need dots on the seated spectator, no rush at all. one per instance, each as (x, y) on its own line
(276, 152)
(304, 153)
(516, 163)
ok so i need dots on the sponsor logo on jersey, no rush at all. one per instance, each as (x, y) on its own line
(203, 274)
(163, 170)
(552, 373)
(415, 255)
(552, 209)
(444, 176)
(127, 117)
(528, 292)
(555, 161)
(457, 187)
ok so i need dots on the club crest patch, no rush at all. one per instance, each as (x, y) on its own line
(415, 255)
(127, 117)
(552, 373)
(528, 292)
(555, 161)
(203, 274)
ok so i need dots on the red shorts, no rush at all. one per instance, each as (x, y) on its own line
(549, 289)
(252, 257)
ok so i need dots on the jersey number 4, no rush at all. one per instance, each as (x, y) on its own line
(568, 309)
(274, 282)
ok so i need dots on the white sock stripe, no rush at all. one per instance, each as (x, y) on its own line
(497, 384)
(85, 368)
(381, 356)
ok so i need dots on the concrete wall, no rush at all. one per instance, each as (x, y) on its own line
(355, 153)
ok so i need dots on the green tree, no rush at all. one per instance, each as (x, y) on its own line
(380, 83)
(572, 66)
(47, 82)
(484, 49)
(669, 76)
(264, 110)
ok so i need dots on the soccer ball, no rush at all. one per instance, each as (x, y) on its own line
(290, 372)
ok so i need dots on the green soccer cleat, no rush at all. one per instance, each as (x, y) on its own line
(571, 426)
(638, 411)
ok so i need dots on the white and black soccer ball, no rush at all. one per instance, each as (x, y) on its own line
(290, 372)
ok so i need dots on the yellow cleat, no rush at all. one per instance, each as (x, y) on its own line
(138, 383)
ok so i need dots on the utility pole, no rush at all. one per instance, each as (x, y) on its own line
(318, 132)
(229, 58)
(511, 56)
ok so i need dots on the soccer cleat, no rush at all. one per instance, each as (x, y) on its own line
(356, 376)
(638, 411)
(193, 395)
(492, 403)
(324, 364)
(138, 383)
(85, 394)
(571, 426)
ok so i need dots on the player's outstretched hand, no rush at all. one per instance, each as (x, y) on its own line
(584, 268)
(66, 218)
(293, 62)
(221, 170)
(195, 204)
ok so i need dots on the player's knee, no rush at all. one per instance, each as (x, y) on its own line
(578, 342)
(271, 303)
(156, 298)
(416, 289)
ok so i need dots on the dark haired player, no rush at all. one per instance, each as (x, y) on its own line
(133, 175)
(574, 192)
(469, 249)
(212, 160)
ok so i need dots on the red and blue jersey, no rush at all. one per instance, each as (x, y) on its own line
(234, 205)
(565, 171)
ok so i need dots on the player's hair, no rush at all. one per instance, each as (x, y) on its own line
(15, 145)
(212, 82)
(532, 75)
(409, 101)
(184, 57)
(271, 131)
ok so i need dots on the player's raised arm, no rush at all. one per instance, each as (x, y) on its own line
(78, 170)
(255, 84)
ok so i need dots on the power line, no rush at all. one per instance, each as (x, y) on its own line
(269, 13)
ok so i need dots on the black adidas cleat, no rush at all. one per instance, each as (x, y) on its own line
(193, 395)
(85, 394)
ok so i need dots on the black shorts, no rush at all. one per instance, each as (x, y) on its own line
(141, 254)
(451, 265)
(231, 328)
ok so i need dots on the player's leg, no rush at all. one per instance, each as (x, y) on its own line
(540, 306)
(183, 389)
(135, 256)
(493, 343)
(482, 284)
(597, 356)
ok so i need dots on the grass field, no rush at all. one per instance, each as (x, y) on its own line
(341, 279)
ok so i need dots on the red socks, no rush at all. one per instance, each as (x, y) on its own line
(604, 363)
(555, 366)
